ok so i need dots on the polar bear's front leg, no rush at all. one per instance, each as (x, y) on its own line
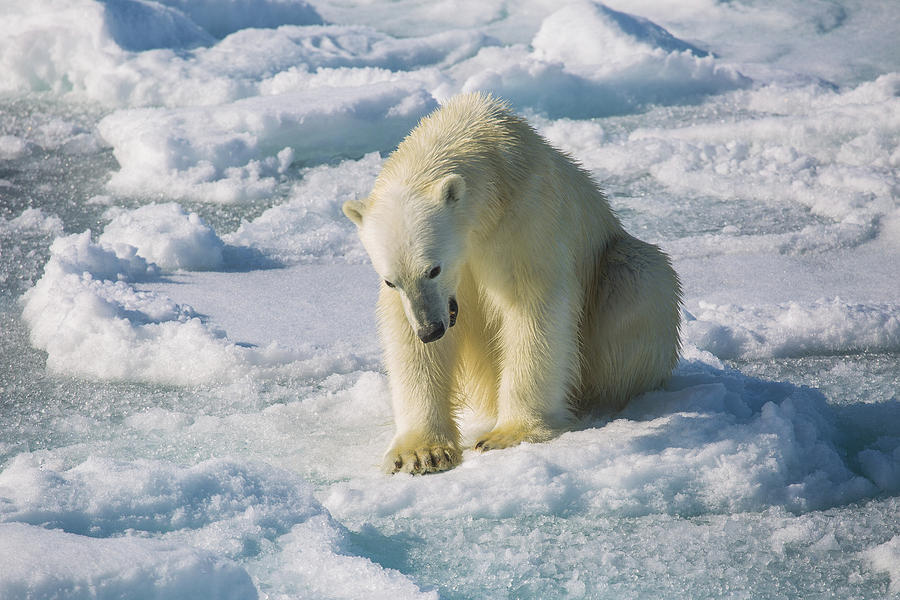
(420, 378)
(539, 366)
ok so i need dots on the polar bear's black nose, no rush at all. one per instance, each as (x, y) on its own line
(432, 331)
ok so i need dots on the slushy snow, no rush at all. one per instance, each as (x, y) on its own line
(191, 397)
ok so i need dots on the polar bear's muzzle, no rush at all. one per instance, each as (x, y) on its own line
(432, 331)
(436, 330)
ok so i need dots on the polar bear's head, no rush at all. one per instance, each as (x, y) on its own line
(415, 238)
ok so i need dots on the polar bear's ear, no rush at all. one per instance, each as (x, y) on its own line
(354, 211)
(453, 188)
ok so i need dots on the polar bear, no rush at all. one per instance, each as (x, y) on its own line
(510, 287)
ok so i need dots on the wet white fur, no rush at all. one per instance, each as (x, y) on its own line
(560, 310)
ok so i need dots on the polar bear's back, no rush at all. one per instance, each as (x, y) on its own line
(469, 135)
(499, 155)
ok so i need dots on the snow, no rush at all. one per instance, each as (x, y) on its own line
(587, 60)
(89, 320)
(166, 235)
(11, 147)
(886, 557)
(39, 564)
(192, 402)
(795, 329)
(222, 18)
(32, 219)
(309, 226)
(237, 151)
(70, 523)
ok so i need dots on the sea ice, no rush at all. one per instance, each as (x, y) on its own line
(886, 557)
(166, 235)
(236, 151)
(191, 394)
(41, 564)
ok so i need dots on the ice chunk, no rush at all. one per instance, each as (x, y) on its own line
(105, 498)
(192, 522)
(310, 226)
(881, 464)
(165, 234)
(41, 563)
(90, 321)
(886, 558)
(144, 24)
(588, 36)
(794, 329)
(588, 60)
(12, 147)
(230, 152)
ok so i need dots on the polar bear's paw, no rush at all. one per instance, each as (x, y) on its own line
(420, 460)
(504, 436)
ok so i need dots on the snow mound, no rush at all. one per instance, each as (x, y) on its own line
(237, 151)
(88, 313)
(53, 45)
(90, 321)
(166, 235)
(45, 564)
(126, 53)
(77, 254)
(587, 60)
(310, 226)
(138, 25)
(589, 35)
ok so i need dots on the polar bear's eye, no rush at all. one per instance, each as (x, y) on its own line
(389, 284)
(434, 272)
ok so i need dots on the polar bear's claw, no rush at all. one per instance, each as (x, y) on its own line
(420, 461)
(496, 440)
(511, 435)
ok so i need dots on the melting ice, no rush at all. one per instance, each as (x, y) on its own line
(191, 398)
